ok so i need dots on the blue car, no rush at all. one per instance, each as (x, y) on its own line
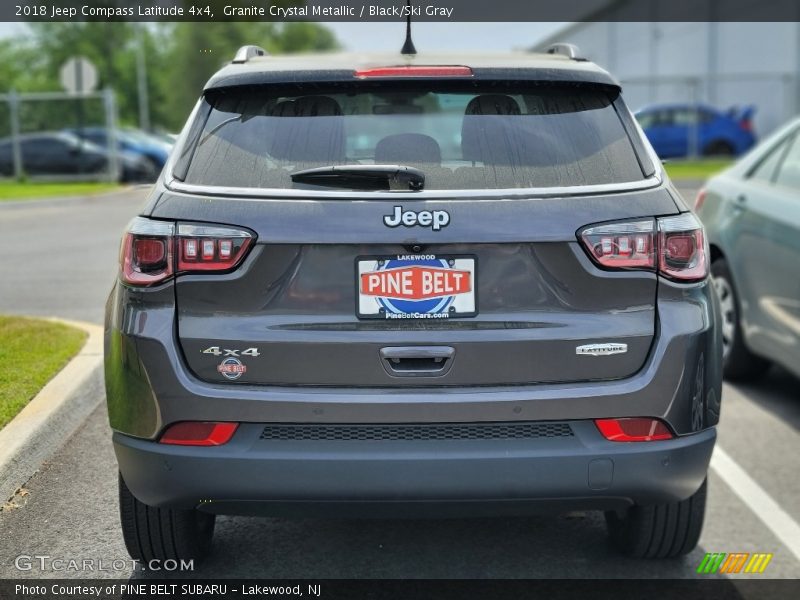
(671, 129)
(156, 151)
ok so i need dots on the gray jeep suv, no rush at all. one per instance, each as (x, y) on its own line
(412, 285)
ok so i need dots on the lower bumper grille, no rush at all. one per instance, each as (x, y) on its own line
(416, 432)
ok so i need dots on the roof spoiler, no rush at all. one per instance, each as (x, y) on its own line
(742, 113)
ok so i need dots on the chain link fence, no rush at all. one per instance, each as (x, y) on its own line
(59, 136)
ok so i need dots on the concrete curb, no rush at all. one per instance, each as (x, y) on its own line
(42, 427)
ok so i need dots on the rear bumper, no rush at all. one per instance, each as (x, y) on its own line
(149, 386)
(250, 475)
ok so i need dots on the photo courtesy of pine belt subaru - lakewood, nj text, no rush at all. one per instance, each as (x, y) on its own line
(414, 285)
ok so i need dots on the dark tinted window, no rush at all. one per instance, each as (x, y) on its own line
(497, 137)
(43, 147)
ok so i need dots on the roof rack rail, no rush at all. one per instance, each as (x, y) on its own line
(568, 50)
(245, 53)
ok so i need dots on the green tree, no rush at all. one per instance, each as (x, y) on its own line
(199, 49)
(180, 58)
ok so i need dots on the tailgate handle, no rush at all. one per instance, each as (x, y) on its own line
(417, 361)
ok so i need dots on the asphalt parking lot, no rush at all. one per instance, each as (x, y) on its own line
(59, 259)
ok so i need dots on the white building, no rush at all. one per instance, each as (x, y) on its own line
(721, 64)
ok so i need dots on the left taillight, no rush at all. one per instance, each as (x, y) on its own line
(146, 256)
(153, 251)
(675, 246)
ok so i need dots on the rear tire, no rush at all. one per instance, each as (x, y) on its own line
(161, 533)
(738, 363)
(719, 148)
(659, 530)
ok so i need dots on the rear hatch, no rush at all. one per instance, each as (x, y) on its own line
(354, 280)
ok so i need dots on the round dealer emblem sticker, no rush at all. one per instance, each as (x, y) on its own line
(231, 368)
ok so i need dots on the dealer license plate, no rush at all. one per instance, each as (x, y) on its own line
(413, 286)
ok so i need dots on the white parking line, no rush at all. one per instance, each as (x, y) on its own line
(759, 501)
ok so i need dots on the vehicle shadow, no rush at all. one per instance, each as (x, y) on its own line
(777, 392)
(509, 548)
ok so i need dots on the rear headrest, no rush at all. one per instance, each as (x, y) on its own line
(408, 147)
(284, 108)
(492, 104)
(487, 135)
(311, 132)
(316, 106)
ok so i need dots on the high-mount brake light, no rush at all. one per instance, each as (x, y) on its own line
(153, 251)
(674, 246)
(199, 433)
(415, 71)
(633, 430)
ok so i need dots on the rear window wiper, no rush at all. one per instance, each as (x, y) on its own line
(364, 177)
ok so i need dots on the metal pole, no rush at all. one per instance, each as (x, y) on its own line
(655, 35)
(141, 77)
(797, 65)
(712, 63)
(13, 111)
(79, 110)
(694, 125)
(111, 124)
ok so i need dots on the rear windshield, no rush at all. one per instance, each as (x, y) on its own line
(483, 136)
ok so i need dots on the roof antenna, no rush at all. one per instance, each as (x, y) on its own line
(408, 46)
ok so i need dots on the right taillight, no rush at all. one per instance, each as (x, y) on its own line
(153, 251)
(682, 248)
(673, 246)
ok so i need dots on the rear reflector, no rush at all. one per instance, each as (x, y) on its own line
(414, 71)
(633, 430)
(199, 433)
(700, 199)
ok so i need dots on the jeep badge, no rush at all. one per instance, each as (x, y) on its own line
(425, 218)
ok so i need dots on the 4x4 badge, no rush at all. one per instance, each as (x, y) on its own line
(435, 219)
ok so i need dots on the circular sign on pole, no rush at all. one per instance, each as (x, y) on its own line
(78, 75)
